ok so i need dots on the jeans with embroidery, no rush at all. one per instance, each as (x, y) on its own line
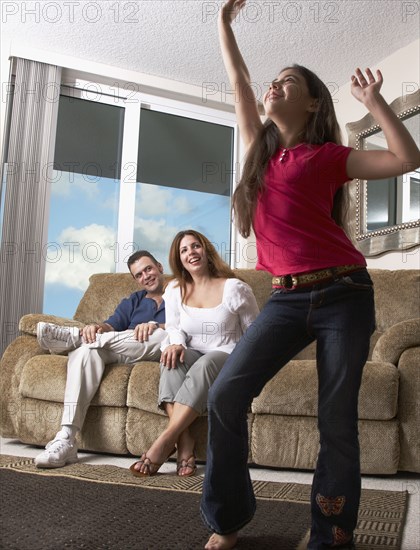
(339, 315)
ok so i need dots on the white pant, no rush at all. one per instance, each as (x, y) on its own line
(86, 366)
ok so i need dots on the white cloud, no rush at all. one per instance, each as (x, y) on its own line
(182, 205)
(156, 237)
(78, 254)
(152, 200)
(151, 229)
(65, 184)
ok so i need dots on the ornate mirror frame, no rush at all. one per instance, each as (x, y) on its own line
(396, 237)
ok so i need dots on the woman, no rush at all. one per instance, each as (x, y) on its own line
(289, 195)
(207, 312)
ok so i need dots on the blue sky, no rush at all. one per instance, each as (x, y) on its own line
(83, 230)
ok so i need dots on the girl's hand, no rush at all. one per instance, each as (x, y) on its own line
(230, 10)
(171, 354)
(366, 89)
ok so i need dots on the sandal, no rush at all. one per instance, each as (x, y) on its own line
(152, 468)
(186, 463)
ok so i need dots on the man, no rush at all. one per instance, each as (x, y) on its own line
(134, 332)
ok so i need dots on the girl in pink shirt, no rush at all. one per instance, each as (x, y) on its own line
(290, 195)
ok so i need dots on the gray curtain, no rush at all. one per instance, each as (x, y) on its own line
(27, 179)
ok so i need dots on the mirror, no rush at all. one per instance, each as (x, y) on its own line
(384, 215)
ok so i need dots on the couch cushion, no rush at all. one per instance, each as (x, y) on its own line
(104, 293)
(143, 427)
(294, 391)
(409, 409)
(293, 442)
(397, 296)
(44, 378)
(29, 322)
(378, 398)
(103, 429)
(143, 387)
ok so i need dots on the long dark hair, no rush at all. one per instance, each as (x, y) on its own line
(217, 267)
(321, 127)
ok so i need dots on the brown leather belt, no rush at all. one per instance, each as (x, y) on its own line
(302, 279)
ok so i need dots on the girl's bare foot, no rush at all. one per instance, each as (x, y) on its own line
(222, 542)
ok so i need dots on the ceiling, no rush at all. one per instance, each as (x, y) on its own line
(177, 39)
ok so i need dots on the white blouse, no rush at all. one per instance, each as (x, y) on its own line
(209, 329)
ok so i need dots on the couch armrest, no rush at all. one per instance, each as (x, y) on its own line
(409, 410)
(396, 340)
(28, 323)
(12, 363)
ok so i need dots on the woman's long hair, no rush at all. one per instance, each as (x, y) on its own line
(217, 267)
(321, 127)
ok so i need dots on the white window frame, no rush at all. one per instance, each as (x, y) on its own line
(133, 101)
(82, 90)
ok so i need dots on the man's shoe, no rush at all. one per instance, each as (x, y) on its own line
(57, 339)
(58, 453)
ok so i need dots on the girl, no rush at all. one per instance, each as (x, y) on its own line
(289, 195)
(207, 311)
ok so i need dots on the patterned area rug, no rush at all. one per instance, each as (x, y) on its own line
(105, 507)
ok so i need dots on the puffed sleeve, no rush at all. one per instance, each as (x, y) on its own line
(174, 334)
(241, 300)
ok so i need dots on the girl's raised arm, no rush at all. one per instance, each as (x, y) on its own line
(402, 155)
(246, 106)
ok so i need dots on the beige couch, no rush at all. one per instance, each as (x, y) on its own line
(124, 418)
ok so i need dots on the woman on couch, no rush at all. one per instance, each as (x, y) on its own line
(207, 312)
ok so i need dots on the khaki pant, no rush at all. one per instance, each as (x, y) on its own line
(189, 382)
(86, 367)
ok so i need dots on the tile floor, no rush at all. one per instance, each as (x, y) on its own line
(400, 482)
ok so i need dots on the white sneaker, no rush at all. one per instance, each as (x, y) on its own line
(58, 453)
(57, 339)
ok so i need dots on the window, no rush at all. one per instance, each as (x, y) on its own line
(129, 173)
(184, 175)
(84, 201)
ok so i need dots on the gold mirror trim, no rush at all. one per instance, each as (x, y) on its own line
(397, 237)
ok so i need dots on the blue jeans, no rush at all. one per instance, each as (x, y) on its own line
(340, 316)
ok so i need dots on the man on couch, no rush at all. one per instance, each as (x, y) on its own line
(133, 333)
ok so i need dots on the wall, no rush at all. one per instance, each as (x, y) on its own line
(401, 73)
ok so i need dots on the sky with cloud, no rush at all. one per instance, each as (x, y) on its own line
(82, 236)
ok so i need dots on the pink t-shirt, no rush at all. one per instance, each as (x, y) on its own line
(293, 225)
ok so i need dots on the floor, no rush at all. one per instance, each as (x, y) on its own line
(400, 482)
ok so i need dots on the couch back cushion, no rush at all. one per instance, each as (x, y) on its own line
(104, 293)
(396, 297)
(106, 290)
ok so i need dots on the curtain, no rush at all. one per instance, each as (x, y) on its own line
(27, 179)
